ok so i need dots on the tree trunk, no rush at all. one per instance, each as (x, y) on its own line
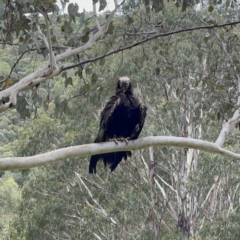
(187, 200)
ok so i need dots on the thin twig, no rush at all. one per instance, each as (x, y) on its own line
(149, 39)
(8, 76)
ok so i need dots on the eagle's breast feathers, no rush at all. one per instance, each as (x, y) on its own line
(122, 117)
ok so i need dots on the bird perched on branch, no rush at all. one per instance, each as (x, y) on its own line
(122, 119)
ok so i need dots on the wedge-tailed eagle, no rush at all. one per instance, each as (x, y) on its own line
(121, 119)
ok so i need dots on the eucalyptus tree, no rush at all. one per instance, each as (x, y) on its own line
(185, 68)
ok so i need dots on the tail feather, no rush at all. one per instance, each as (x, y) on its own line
(93, 163)
(118, 156)
(112, 159)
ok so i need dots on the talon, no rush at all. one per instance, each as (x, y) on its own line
(124, 140)
(121, 139)
(114, 140)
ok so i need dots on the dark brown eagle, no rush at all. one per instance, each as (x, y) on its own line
(121, 119)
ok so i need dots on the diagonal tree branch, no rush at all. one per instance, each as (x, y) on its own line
(20, 57)
(42, 73)
(15, 64)
(231, 123)
(53, 64)
(147, 40)
(100, 208)
(48, 43)
(52, 60)
(95, 17)
(228, 127)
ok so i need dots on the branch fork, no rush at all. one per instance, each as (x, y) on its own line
(50, 69)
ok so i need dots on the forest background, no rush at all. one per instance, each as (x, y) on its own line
(57, 70)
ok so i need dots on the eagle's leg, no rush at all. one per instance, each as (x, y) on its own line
(114, 140)
(121, 139)
(124, 139)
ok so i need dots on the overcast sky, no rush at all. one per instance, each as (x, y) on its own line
(87, 5)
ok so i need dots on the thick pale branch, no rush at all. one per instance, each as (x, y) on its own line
(12, 163)
(43, 37)
(48, 43)
(95, 17)
(53, 64)
(27, 82)
(227, 128)
(5, 107)
(44, 72)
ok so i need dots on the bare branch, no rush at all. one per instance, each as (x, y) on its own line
(9, 43)
(44, 72)
(116, 4)
(100, 208)
(27, 82)
(97, 236)
(95, 17)
(20, 57)
(231, 123)
(12, 163)
(120, 49)
(167, 184)
(140, 33)
(227, 128)
(8, 76)
(53, 64)
(43, 37)
(5, 107)
(48, 42)
(216, 182)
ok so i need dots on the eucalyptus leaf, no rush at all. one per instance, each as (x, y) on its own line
(68, 81)
(102, 62)
(22, 107)
(110, 28)
(157, 71)
(94, 78)
(211, 8)
(73, 9)
(102, 5)
(22, 48)
(88, 70)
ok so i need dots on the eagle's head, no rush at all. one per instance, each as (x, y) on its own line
(124, 85)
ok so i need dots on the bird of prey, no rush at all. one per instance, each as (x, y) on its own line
(121, 119)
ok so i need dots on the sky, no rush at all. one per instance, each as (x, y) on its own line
(87, 5)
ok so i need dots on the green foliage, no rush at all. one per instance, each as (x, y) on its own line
(42, 134)
(4, 68)
(172, 75)
(10, 197)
